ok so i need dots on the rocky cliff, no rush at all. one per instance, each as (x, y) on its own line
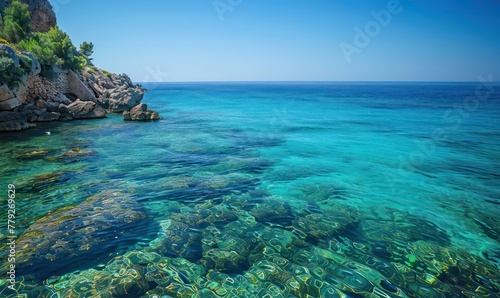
(67, 94)
(42, 16)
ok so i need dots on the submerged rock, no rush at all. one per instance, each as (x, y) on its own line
(31, 154)
(91, 229)
(183, 232)
(395, 225)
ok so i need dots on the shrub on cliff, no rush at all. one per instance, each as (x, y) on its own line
(40, 46)
(9, 73)
(16, 22)
(61, 45)
(87, 49)
(53, 47)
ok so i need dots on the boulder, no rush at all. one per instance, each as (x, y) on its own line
(49, 116)
(10, 115)
(77, 87)
(7, 51)
(140, 113)
(83, 110)
(50, 106)
(62, 99)
(5, 93)
(10, 104)
(125, 98)
(15, 121)
(15, 125)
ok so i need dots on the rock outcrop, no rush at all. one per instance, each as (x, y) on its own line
(42, 15)
(68, 95)
(83, 110)
(140, 113)
(116, 93)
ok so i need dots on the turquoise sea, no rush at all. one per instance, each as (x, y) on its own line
(262, 190)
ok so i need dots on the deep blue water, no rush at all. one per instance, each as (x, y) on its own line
(365, 176)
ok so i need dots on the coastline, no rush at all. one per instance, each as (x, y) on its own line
(35, 92)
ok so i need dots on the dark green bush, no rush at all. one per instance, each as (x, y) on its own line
(40, 46)
(16, 23)
(87, 49)
(9, 73)
(25, 63)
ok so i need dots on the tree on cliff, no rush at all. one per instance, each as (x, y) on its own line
(87, 49)
(16, 22)
(53, 47)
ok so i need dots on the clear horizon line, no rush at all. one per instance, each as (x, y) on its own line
(310, 81)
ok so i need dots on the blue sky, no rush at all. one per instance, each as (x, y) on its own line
(288, 40)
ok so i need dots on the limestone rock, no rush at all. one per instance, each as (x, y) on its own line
(10, 53)
(49, 116)
(15, 125)
(140, 113)
(15, 121)
(78, 88)
(62, 99)
(42, 15)
(123, 100)
(116, 93)
(5, 93)
(83, 110)
(10, 104)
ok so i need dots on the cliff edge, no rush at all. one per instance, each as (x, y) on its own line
(42, 15)
(31, 90)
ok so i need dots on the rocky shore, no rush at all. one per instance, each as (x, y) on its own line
(66, 94)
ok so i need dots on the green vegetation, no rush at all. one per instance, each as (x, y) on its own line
(16, 22)
(87, 49)
(54, 47)
(10, 74)
(51, 48)
(106, 73)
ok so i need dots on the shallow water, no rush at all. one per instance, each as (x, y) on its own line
(389, 189)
